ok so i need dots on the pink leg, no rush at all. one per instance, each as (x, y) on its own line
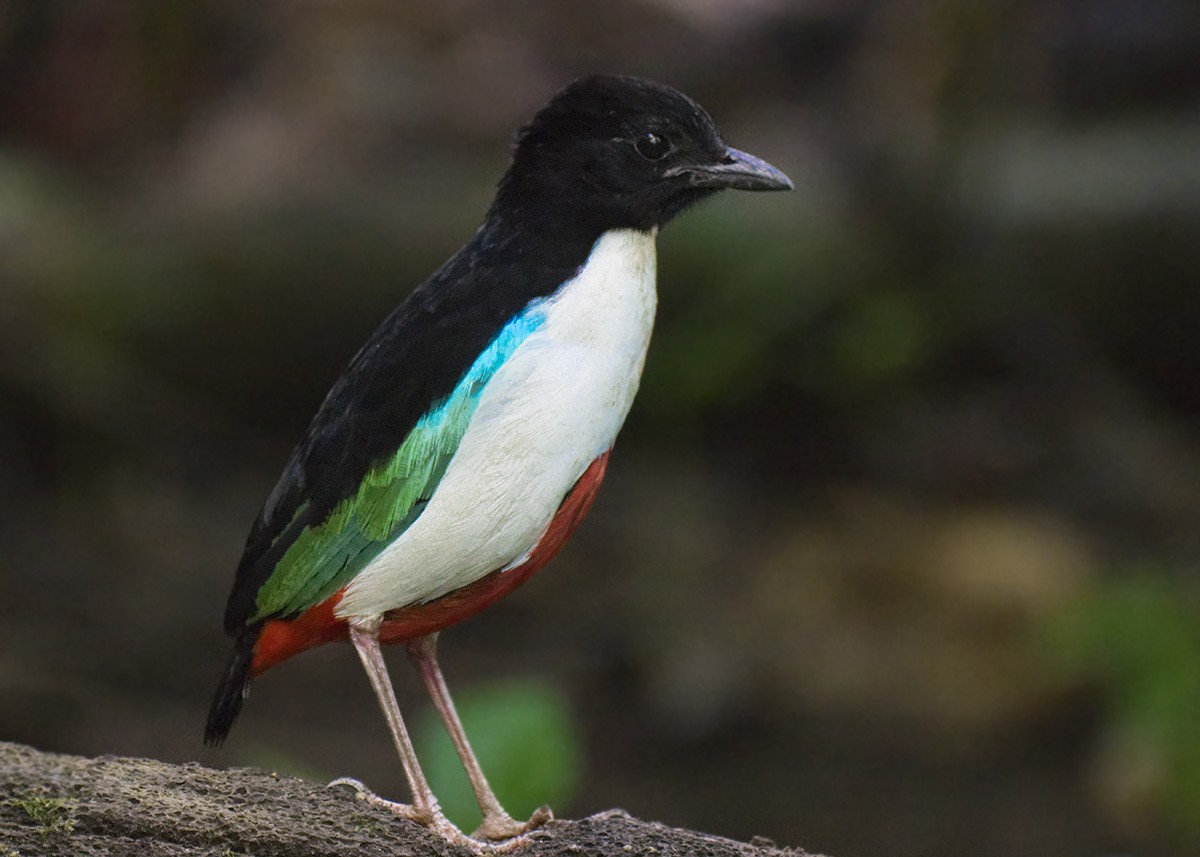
(497, 824)
(424, 809)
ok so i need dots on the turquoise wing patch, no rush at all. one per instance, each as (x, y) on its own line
(325, 557)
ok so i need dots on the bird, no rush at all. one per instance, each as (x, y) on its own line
(466, 440)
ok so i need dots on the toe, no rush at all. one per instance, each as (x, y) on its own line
(500, 826)
(421, 815)
(542, 815)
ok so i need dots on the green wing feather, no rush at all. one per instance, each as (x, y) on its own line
(325, 557)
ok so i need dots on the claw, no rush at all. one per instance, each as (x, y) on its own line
(433, 819)
(501, 826)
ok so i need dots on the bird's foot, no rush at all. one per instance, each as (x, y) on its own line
(428, 817)
(498, 833)
(421, 815)
(499, 825)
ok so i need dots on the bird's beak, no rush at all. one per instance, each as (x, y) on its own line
(737, 171)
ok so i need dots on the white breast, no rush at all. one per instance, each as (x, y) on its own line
(554, 406)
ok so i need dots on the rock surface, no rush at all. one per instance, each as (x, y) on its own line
(53, 804)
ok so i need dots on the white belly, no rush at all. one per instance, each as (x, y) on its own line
(554, 406)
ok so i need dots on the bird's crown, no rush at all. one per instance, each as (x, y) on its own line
(613, 152)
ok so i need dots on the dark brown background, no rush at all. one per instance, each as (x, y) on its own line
(898, 551)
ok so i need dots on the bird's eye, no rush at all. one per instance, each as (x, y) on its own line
(652, 147)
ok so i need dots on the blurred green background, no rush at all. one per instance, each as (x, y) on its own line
(898, 553)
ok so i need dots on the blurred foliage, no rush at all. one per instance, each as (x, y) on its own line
(1136, 640)
(525, 737)
(887, 423)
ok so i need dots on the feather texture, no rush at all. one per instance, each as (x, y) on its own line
(322, 558)
(415, 359)
(552, 408)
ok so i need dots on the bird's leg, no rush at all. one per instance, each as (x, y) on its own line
(424, 808)
(497, 823)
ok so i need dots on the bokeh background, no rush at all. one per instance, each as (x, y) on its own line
(898, 553)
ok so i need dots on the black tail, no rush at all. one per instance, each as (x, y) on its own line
(235, 684)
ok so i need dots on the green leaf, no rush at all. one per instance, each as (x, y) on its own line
(1137, 640)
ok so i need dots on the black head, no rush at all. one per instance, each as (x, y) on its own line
(613, 152)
